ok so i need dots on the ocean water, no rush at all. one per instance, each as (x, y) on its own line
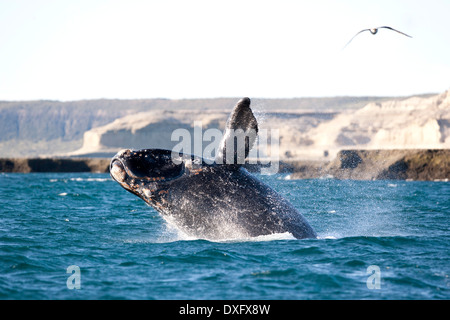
(377, 240)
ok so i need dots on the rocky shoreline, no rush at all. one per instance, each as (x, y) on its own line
(28, 165)
(421, 164)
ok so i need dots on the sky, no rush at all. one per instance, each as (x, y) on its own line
(176, 49)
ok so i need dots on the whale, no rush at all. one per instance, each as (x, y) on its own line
(214, 200)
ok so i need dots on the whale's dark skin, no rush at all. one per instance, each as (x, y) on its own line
(210, 201)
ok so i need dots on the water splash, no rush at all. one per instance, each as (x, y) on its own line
(171, 233)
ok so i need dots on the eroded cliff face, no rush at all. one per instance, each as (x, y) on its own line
(413, 123)
(49, 128)
(153, 129)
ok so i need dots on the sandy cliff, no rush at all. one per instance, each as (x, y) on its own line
(151, 129)
(413, 123)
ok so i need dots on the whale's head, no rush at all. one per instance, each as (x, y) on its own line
(145, 173)
(150, 173)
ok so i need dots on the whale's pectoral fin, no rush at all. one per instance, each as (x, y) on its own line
(239, 136)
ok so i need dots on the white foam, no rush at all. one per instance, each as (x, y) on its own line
(90, 179)
(392, 185)
(262, 238)
(173, 234)
(327, 237)
(267, 237)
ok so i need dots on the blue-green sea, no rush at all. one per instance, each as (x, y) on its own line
(377, 240)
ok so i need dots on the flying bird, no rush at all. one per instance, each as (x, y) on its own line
(374, 31)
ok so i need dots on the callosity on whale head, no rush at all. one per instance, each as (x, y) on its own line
(145, 172)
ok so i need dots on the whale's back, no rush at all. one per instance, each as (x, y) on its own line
(220, 202)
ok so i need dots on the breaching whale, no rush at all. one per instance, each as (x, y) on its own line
(218, 200)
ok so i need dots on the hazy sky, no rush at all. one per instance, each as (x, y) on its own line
(72, 50)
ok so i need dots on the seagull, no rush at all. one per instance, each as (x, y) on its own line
(374, 31)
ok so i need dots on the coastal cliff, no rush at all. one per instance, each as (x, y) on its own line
(343, 138)
(421, 122)
(53, 128)
(427, 165)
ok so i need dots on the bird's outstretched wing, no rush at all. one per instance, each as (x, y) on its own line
(354, 37)
(386, 27)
